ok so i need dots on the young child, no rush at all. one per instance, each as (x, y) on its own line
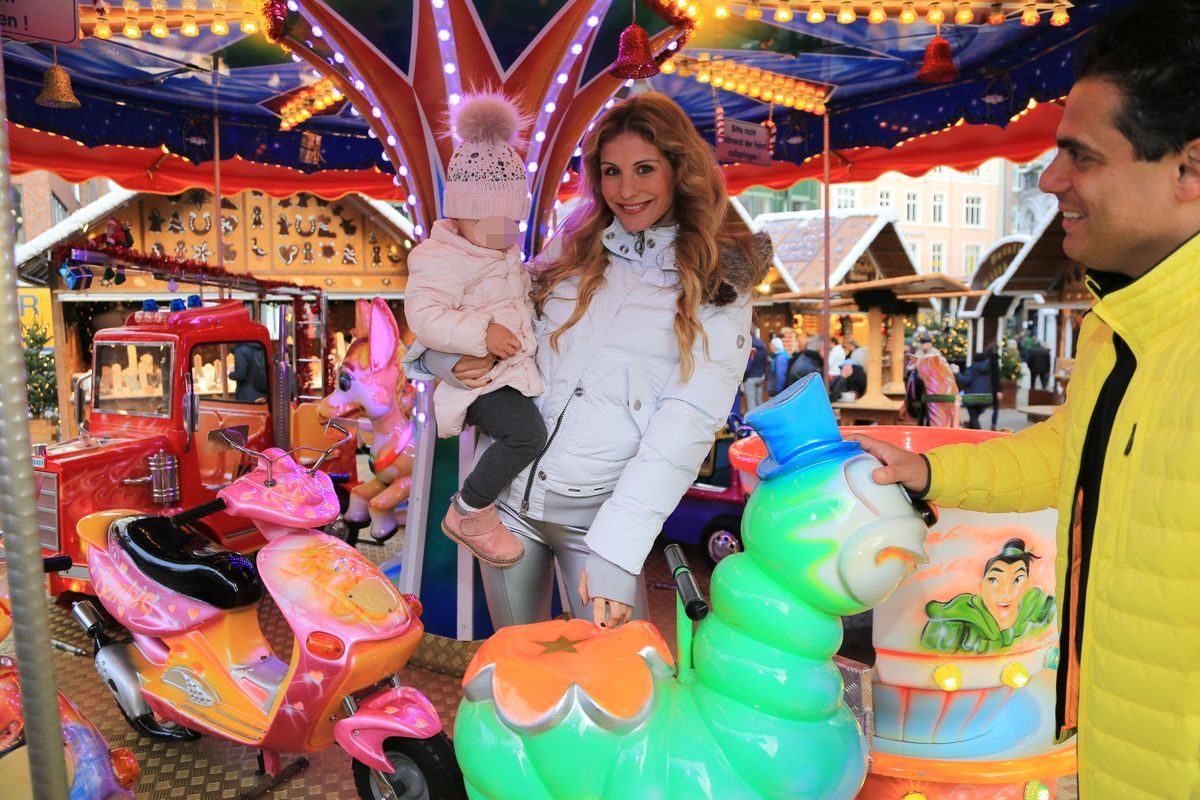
(468, 293)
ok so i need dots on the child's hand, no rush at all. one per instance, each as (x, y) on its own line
(501, 341)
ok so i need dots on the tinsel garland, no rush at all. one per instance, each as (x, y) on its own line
(163, 267)
(274, 14)
(672, 14)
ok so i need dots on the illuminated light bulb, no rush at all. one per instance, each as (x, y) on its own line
(908, 14)
(549, 107)
(102, 29)
(131, 30)
(846, 13)
(742, 86)
(450, 68)
(721, 11)
(948, 677)
(753, 11)
(878, 15)
(996, 15)
(718, 81)
(692, 11)
(783, 11)
(816, 12)
(1030, 15)
(561, 78)
(1015, 675)
(249, 18)
(755, 91)
(914, 796)
(703, 75)
(593, 21)
(576, 49)
(789, 101)
(668, 67)
(539, 137)
(935, 15)
(219, 26)
(531, 166)
(964, 15)
(1059, 17)
(443, 35)
(159, 29)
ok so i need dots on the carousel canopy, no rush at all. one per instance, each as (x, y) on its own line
(163, 93)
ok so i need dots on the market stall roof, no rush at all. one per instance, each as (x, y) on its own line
(989, 273)
(914, 288)
(864, 242)
(151, 93)
(1043, 268)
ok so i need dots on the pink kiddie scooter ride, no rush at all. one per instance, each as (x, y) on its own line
(198, 660)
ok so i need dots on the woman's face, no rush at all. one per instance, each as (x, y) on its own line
(637, 182)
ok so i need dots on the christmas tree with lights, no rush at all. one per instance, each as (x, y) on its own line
(39, 368)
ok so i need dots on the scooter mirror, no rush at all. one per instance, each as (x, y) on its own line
(230, 438)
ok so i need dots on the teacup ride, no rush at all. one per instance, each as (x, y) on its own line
(754, 705)
(966, 652)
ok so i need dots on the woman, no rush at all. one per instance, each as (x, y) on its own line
(643, 327)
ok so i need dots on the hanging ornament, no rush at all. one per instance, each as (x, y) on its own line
(274, 13)
(56, 88)
(310, 149)
(770, 126)
(939, 62)
(634, 57)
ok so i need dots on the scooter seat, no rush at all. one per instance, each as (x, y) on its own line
(188, 563)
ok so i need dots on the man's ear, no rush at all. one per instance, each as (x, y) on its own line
(1189, 172)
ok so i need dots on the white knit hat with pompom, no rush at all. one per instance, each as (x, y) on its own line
(486, 177)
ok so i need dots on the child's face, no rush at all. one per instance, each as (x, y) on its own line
(494, 233)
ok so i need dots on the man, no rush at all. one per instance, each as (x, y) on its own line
(804, 361)
(777, 367)
(1120, 458)
(1006, 608)
(1037, 358)
(756, 370)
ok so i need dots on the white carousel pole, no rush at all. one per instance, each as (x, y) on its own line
(18, 516)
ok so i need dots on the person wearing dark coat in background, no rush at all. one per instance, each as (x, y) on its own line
(777, 367)
(1037, 358)
(981, 380)
(250, 372)
(852, 378)
(756, 370)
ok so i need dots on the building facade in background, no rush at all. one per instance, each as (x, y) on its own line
(41, 200)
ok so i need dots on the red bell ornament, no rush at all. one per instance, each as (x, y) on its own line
(939, 62)
(634, 59)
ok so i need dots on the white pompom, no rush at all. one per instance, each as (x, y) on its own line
(489, 116)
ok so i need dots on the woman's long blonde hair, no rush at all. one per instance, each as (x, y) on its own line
(701, 210)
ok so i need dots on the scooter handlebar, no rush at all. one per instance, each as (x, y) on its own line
(193, 514)
(694, 604)
(57, 564)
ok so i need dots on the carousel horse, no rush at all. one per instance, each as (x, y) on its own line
(371, 383)
(566, 709)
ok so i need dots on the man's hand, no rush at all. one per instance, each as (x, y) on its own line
(470, 370)
(500, 341)
(606, 613)
(899, 465)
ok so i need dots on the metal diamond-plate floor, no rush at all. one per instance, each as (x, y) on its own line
(214, 769)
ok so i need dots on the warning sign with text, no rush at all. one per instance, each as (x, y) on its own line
(54, 21)
(745, 142)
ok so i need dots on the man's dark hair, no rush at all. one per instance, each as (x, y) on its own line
(1150, 50)
(1012, 552)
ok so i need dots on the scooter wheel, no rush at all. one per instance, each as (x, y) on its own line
(342, 528)
(426, 769)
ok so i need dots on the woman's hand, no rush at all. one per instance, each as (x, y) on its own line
(606, 613)
(470, 370)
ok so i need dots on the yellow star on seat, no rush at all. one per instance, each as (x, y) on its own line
(560, 645)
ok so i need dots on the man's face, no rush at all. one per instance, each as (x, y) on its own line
(494, 233)
(1001, 590)
(1119, 214)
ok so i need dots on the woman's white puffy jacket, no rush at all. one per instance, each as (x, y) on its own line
(620, 418)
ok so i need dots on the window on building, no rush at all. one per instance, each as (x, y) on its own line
(914, 252)
(58, 210)
(75, 190)
(845, 197)
(973, 211)
(975, 173)
(912, 207)
(937, 254)
(885, 198)
(970, 258)
(937, 209)
(18, 216)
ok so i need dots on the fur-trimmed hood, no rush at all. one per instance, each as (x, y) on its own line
(743, 272)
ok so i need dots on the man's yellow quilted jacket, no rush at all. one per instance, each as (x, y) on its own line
(1139, 673)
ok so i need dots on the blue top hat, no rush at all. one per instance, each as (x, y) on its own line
(798, 429)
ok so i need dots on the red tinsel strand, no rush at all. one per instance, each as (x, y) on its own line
(720, 114)
(304, 346)
(274, 14)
